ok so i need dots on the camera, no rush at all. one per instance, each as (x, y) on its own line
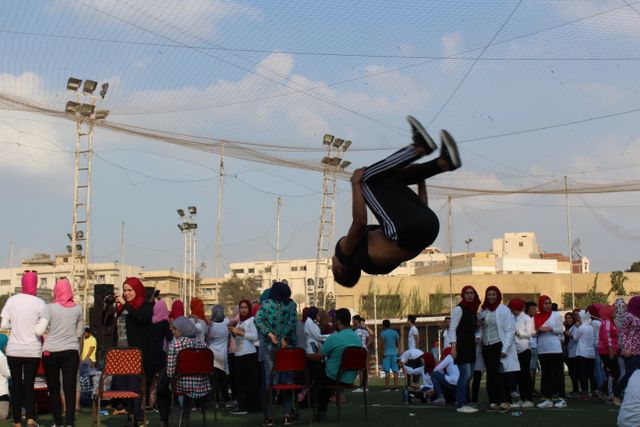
(110, 299)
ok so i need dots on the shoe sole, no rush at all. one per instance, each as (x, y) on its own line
(452, 148)
(425, 139)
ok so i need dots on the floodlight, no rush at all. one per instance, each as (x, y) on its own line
(181, 227)
(69, 236)
(86, 110)
(101, 114)
(328, 139)
(181, 212)
(72, 107)
(338, 142)
(193, 210)
(89, 87)
(69, 248)
(335, 161)
(80, 235)
(73, 83)
(103, 91)
(326, 160)
(79, 248)
(193, 226)
(345, 164)
(346, 145)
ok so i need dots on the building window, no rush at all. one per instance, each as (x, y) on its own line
(294, 268)
(43, 281)
(238, 271)
(418, 264)
(303, 268)
(403, 264)
(521, 244)
(5, 282)
(252, 270)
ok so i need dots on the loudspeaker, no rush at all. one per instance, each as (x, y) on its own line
(148, 293)
(100, 292)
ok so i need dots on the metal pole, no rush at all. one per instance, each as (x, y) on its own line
(74, 224)
(219, 218)
(194, 294)
(183, 292)
(450, 256)
(278, 204)
(375, 324)
(87, 231)
(566, 194)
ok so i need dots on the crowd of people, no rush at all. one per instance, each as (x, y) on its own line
(600, 346)
(509, 343)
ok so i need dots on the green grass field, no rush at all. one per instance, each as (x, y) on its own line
(385, 410)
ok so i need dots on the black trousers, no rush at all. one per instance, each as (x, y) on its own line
(552, 382)
(612, 367)
(497, 389)
(246, 382)
(586, 374)
(23, 376)
(572, 365)
(222, 385)
(68, 363)
(525, 385)
(403, 216)
(475, 386)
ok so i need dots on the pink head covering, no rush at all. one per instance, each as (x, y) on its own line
(160, 312)
(607, 312)
(30, 283)
(63, 294)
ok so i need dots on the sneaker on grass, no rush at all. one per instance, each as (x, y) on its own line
(545, 404)
(560, 403)
(466, 410)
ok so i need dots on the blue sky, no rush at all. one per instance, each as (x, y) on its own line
(283, 74)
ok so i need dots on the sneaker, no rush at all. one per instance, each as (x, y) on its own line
(268, 422)
(504, 408)
(466, 410)
(386, 390)
(230, 404)
(449, 151)
(526, 404)
(420, 136)
(289, 420)
(601, 395)
(517, 404)
(545, 404)
(439, 402)
(561, 404)
(357, 390)
(493, 407)
(238, 412)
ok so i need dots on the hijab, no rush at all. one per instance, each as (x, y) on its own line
(486, 304)
(265, 295)
(185, 326)
(473, 306)
(248, 304)
(254, 309)
(197, 308)
(217, 313)
(621, 311)
(177, 309)
(445, 353)
(429, 362)
(606, 312)
(594, 310)
(516, 304)
(138, 288)
(305, 314)
(280, 292)
(30, 283)
(160, 312)
(633, 307)
(313, 312)
(62, 293)
(541, 316)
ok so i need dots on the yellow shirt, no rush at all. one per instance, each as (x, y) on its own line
(88, 343)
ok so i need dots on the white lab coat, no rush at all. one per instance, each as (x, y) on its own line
(506, 322)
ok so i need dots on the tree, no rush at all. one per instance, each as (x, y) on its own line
(617, 283)
(635, 268)
(591, 297)
(236, 289)
(436, 301)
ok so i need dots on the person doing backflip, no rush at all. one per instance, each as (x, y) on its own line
(407, 225)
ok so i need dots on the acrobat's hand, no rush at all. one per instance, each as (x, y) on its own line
(356, 178)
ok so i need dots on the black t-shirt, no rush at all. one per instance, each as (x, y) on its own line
(360, 258)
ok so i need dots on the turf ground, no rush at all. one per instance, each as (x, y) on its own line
(385, 410)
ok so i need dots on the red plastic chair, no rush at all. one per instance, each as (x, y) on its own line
(194, 362)
(121, 362)
(291, 360)
(353, 359)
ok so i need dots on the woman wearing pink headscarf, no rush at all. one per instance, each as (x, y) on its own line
(25, 314)
(61, 351)
(608, 345)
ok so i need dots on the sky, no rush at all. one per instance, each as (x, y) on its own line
(533, 91)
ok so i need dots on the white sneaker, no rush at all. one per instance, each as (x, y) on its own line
(517, 404)
(545, 404)
(561, 403)
(526, 404)
(466, 410)
(357, 390)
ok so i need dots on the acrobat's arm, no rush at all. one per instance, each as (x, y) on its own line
(359, 213)
(422, 192)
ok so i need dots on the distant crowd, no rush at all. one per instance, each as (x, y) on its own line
(599, 345)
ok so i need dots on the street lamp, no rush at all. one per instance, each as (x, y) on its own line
(468, 242)
(188, 228)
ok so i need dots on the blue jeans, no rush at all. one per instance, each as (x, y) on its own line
(268, 358)
(463, 384)
(601, 377)
(440, 385)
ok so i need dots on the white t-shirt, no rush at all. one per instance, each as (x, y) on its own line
(313, 336)
(549, 342)
(450, 370)
(584, 341)
(363, 334)
(413, 336)
(411, 354)
(629, 415)
(246, 344)
(23, 312)
(5, 374)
